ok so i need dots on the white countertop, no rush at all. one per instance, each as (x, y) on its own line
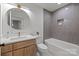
(17, 39)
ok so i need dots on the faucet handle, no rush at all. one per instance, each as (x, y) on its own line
(37, 33)
(19, 33)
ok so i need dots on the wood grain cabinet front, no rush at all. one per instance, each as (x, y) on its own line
(30, 51)
(7, 54)
(23, 44)
(24, 48)
(6, 48)
(0, 51)
(18, 52)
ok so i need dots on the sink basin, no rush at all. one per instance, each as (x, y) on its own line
(20, 37)
(27, 36)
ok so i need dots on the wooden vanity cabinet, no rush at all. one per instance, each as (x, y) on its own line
(18, 52)
(6, 50)
(7, 54)
(0, 51)
(22, 48)
(23, 44)
(30, 51)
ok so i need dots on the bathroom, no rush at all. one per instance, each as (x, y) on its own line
(39, 29)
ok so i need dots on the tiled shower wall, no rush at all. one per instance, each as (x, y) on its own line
(47, 20)
(69, 30)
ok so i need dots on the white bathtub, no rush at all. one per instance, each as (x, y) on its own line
(60, 48)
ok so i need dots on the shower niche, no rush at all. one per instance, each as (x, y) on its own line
(60, 21)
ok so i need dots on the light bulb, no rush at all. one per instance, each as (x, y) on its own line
(58, 3)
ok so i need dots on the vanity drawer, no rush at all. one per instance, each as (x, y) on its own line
(23, 44)
(6, 48)
(7, 54)
(18, 52)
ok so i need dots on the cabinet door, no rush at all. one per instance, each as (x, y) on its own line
(0, 51)
(6, 48)
(23, 44)
(31, 50)
(7, 54)
(18, 52)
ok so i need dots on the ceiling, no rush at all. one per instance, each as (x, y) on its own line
(48, 6)
(51, 6)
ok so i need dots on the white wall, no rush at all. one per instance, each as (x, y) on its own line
(0, 20)
(36, 20)
(0, 23)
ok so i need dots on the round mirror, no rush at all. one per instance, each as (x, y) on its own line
(17, 18)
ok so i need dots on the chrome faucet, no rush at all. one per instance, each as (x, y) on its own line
(19, 34)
